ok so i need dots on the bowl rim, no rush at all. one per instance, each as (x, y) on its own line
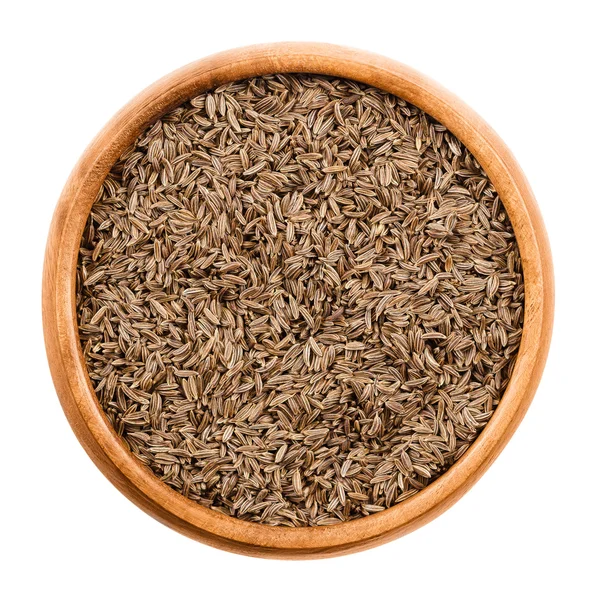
(65, 356)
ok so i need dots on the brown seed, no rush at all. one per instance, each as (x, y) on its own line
(299, 299)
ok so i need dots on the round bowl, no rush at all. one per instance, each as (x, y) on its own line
(65, 356)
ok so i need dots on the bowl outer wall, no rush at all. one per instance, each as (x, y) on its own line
(67, 363)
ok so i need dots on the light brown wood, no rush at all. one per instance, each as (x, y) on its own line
(66, 360)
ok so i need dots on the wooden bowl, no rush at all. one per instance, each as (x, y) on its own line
(65, 356)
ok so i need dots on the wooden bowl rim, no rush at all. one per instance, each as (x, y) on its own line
(60, 323)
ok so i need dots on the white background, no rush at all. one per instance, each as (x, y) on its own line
(530, 527)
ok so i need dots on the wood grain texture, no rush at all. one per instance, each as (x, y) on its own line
(60, 324)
